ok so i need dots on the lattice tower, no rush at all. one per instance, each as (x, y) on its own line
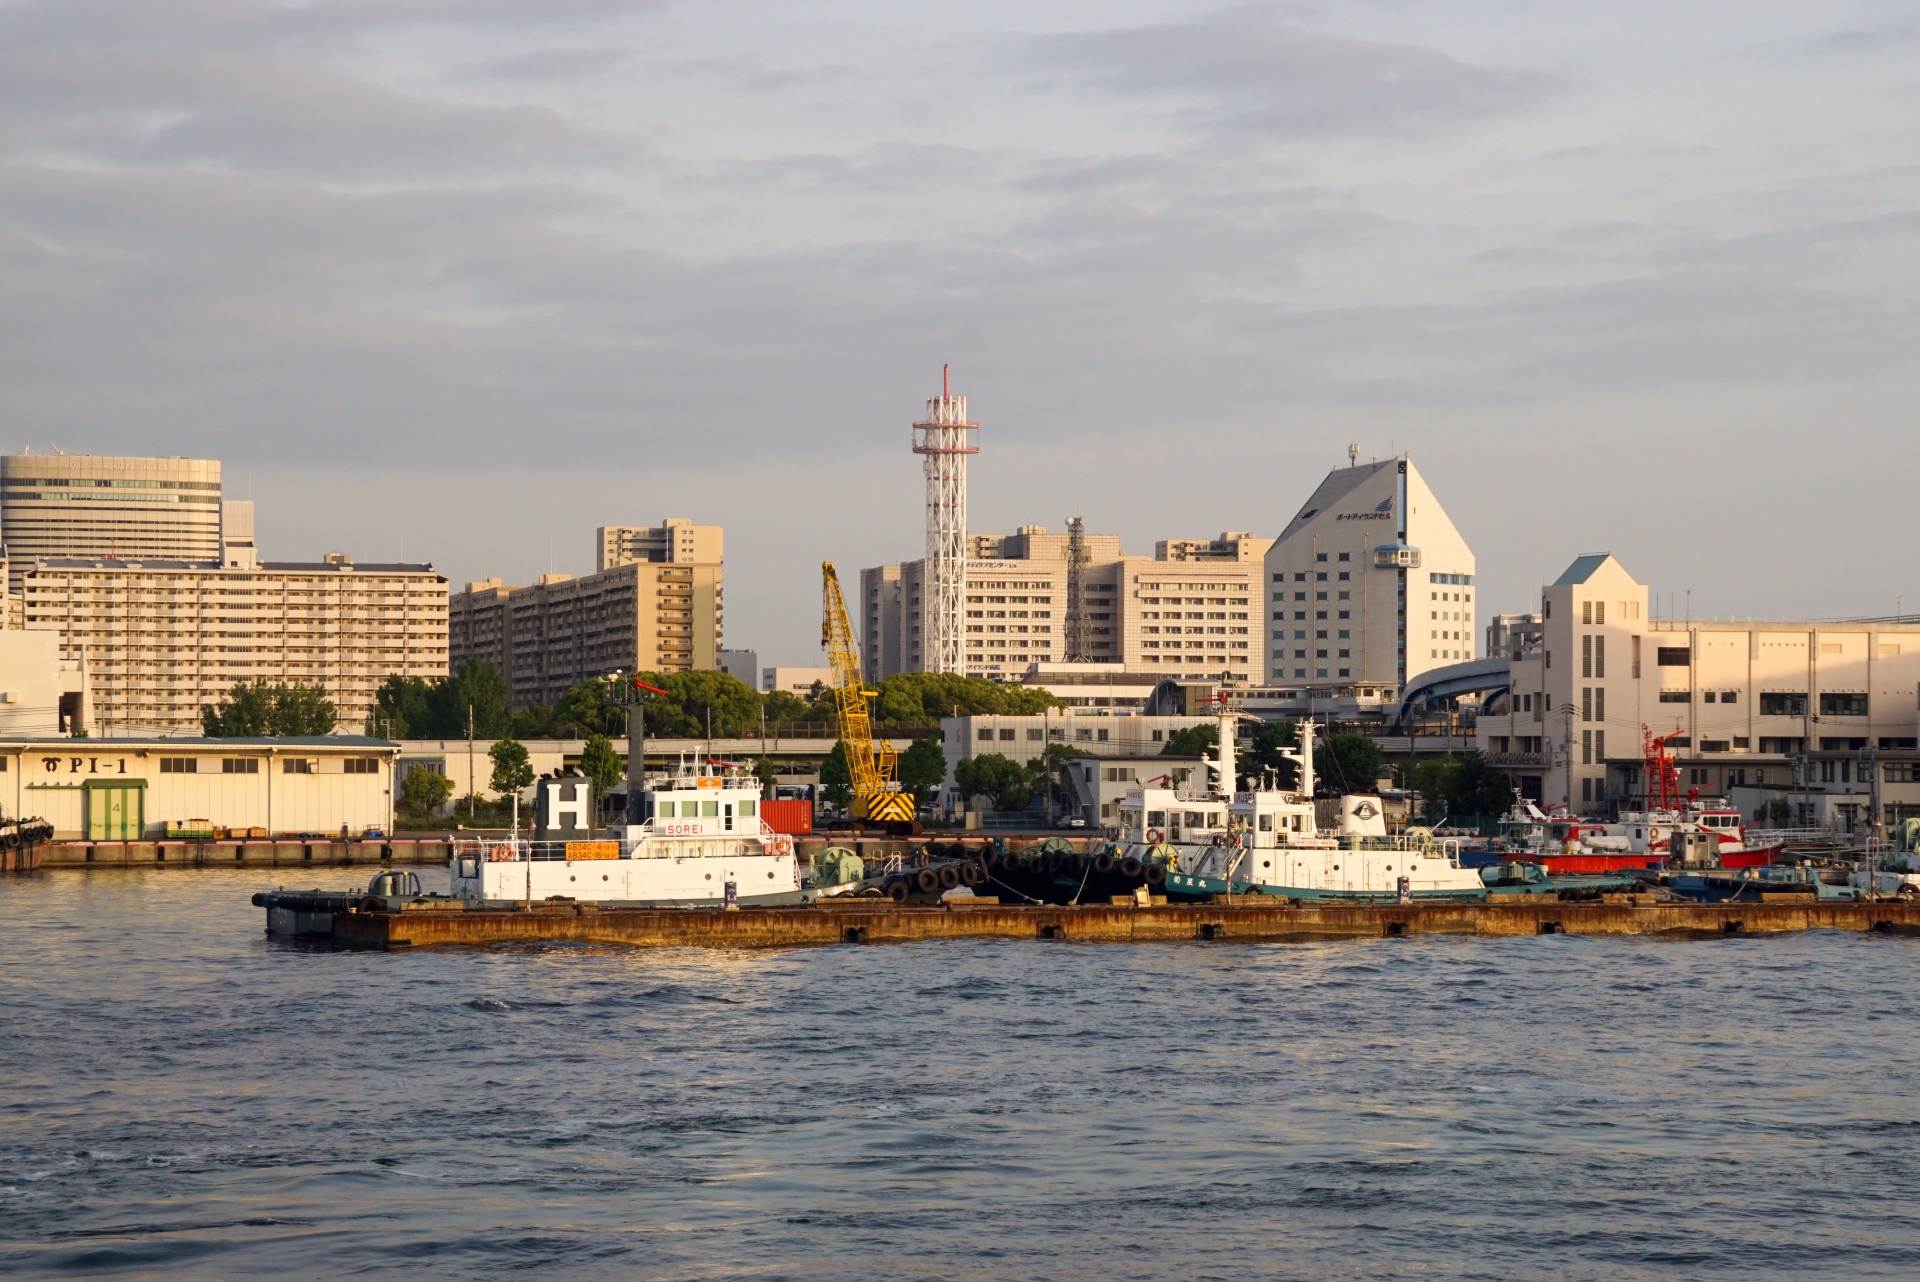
(943, 439)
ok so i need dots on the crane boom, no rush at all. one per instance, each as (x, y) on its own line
(871, 764)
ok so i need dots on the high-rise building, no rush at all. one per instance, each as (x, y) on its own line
(99, 506)
(560, 631)
(1369, 583)
(675, 541)
(1019, 602)
(161, 638)
(942, 438)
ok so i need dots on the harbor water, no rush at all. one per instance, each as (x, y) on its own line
(181, 1097)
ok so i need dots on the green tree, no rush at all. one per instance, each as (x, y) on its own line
(781, 706)
(586, 710)
(600, 763)
(478, 685)
(681, 713)
(923, 768)
(1462, 786)
(424, 792)
(512, 772)
(1194, 741)
(922, 698)
(1265, 756)
(1347, 763)
(1005, 782)
(836, 781)
(1048, 771)
(263, 708)
(402, 708)
(763, 771)
(1780, 811)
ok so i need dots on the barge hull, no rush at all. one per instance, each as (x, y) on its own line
(417, 927)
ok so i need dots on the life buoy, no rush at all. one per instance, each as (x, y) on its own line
(1155, 836)
(780, 846)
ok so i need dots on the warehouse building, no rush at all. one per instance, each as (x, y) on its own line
(147, 788)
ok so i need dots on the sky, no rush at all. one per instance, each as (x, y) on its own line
(460, 280)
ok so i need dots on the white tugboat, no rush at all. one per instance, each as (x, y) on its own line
(1220, 841)
(699, 842)
(695, 841)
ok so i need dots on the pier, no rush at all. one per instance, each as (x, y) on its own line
(863, 922)
(286, 852)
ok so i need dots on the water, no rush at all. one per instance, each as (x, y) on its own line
(180, 1096)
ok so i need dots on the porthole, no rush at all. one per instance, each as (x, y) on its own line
(603, 876)
(709, 876)
(1265, 864)
(573, 879)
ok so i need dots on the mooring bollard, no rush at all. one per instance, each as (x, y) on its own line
(733, 896)
(1405, 890)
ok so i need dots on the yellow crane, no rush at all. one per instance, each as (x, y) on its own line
(876, 797)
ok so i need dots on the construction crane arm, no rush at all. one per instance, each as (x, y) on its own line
(870, 764)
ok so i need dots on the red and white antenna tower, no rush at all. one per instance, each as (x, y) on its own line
(943, 438)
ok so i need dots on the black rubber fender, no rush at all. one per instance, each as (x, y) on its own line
(1156, 874)
(928, 880)
(949, 876)
(896, 890)
(1103, 862)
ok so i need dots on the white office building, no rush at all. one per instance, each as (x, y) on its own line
(1369, 583)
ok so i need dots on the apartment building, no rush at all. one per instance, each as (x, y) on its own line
(162, 638)
(1020, 608)
(1827, 708)
(1369, 583)
(89, 505)
(561, 630)
(675, 541)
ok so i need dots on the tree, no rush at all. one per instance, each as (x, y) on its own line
(512, 772)
(1005, 782)
(600, 763)
(1265, 757)
(922, 698)
(477, 685)
(263, 708)
(1348, 763)
(681, 713)
(1462, 786)
(1780, 811)
(923, 768)
(424, 792)
(835, 779)
(1194, 741)
(1046, 771)
(402, 708)
(781, 706)
(763, 771)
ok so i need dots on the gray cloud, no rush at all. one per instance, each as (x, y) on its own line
(632, 268)
(1254, 71)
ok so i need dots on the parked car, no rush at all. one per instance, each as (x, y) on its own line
(1070, 821)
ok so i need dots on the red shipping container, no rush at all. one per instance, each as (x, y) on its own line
(795, 818)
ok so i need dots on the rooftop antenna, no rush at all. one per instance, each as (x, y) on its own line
(1353, 454)
(943, 440)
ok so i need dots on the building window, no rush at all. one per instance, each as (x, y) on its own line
(1783, 705)
(1006, 736)
(1843, 705)
(1586, 747)
(240, 765)
(363, 765)
(1676, 696)
(297, 766)
(1586, 656)
(1673, 656)
(179, 765)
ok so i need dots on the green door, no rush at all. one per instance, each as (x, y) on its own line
(117, 810)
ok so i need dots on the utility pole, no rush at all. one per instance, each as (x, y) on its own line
(1566, 751)
(469, 761)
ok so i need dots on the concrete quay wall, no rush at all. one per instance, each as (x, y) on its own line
(794, 927)
(241, 854)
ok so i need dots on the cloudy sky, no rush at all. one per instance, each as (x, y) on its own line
(461, 279)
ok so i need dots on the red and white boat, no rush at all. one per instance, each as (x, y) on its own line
(1641, 839)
